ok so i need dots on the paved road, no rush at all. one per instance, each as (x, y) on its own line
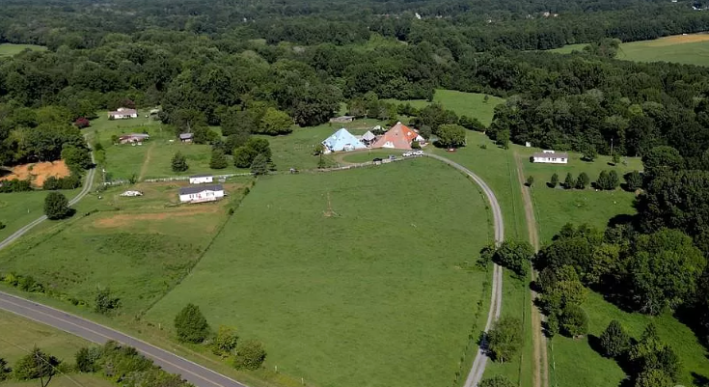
(190, 371)
(480, 362)
(85, 190)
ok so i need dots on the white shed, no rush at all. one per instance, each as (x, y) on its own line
(201, 193)
(550, 157)
(201, 179)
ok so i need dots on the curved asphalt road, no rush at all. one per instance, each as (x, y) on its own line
(480, 362)
(193, 372)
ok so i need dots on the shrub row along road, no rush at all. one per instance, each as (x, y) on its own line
(480, 362)
(190, 371)
(193, 372)
(85, 190)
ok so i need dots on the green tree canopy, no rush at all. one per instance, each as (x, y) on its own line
(179, 162)
(191, 325)
(218, 160)
(37, 365)
(496, 381)
(515, 255)
(615, 341)
(56, 206)
(451, 136)
(505, 338)
(574, 321)
(249, 355)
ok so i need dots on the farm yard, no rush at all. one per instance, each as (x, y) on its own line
(138, 247)
(686, 49)
(367, 271)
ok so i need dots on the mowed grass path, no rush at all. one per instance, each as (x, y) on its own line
(685, 49)
(383, 293)
(21, 335)
(463, 104)
(10, 49)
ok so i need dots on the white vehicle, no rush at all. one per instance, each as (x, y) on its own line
(417, 153)
(408, 154)
(132, 193)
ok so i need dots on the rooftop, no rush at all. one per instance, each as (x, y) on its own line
(200, 188)
(202, 175)
(184, 136)
(562, 155)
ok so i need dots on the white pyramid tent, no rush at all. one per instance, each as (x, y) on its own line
(342, 140)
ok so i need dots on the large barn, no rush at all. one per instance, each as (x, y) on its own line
(399, 136)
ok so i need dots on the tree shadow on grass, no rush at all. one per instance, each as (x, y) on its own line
(700, 380)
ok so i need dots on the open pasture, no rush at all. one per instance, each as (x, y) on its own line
(463, 104)
(138, 246)
(10, 49)
(685, 49)
(359, 277)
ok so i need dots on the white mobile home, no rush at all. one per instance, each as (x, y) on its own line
(122, 114)
(201, 179)
(550, 157)
(201, 193)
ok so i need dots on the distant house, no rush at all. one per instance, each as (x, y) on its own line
(399, 136)
(201, 193)
(368, 138)
(342, 119)
(550, 157)
(133, 138)
(186, 137)
(201, 179)
(342, 140)
(122, 114)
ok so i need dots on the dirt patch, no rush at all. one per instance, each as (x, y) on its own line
(679, 39)
(124, 220)
(38, 172)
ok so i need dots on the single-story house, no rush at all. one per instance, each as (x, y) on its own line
(550, 157)
(123, 113)
(201, 193)
(201, 179)
(399, 136)
(186, 137)
(342, 140)
(368, 138)
(342, 119)
(133, 138)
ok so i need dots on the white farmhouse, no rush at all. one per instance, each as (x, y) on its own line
(201, 179)
(123, 113)
(550, 157)
(201, 193)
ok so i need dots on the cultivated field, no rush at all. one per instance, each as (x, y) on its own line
(685, 49)
(139, 247)
(377, 288)
(468, 104)
(26, 334)
(9, 49)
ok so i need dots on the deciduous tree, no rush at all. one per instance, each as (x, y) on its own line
(56, 206)
(505, 338)
(574, 321)
(191, 325)
(37, 365)
(249, 355)
(451, 136)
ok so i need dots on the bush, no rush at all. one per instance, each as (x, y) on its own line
(530, 181)
(2, 225)
(497, 381)
(56, 206)
(86, 359)
(15, 185)
(35, 365)
(82, 123)
(191, 325)
(225, 342)
(5, 371)
(105, 304)
(249, 355)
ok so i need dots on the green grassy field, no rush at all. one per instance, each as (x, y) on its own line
(21, 335)
(689, 49)
(17, 209)
(9, 49)
(382, 293)
(468, 104)
(366, 155)
(139, 247)
(578, 364)
(555, 207)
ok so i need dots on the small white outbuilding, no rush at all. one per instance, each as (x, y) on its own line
(550, 157)
(201, 179)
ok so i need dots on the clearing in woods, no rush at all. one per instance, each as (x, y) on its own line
(36, 172)
(369, 271)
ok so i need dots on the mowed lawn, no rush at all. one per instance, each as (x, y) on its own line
(577, 364)
(17, 209)
(10, 49)
(554, 207)
(20, 335)
(685, 49)
(377, 288)
(138, 247)
(463, 104)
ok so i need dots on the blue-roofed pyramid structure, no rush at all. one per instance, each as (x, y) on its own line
(342, 140)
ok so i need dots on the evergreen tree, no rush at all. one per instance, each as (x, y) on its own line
(218, 160)
(613, 180)
(260, 165)
(603, 181)
(554, 180)
(633, 181)
(615, 341)
(190, 324)
(179, 163)
(569, 182)
(583, 181)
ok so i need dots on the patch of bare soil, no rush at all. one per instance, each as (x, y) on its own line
(37, 172)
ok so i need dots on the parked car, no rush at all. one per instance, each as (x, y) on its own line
(417, 153)
(408, 154)
(377, 161)
(392, 157)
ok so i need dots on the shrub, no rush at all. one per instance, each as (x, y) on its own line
(86, 359)
(5, 371)
(497, 381)
(105, 303)
(191, 325)
(82, 123)
(249, 355)
(35, 365)
(2, 225)
(225, 342)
